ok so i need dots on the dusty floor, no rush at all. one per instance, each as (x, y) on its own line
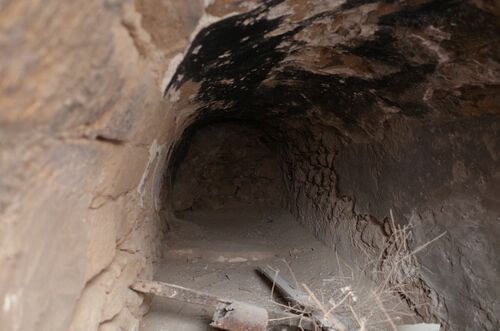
(217, 252)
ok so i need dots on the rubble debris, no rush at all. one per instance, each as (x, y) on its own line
(240, 316)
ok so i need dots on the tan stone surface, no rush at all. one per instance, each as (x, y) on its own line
(79, 108)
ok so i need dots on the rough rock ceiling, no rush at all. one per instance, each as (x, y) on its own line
(348, 62)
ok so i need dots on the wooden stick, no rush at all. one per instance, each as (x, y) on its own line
(191, 296)
(177, 292)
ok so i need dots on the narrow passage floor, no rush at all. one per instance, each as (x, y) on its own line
(218, 251)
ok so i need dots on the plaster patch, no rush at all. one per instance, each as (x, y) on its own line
(196, 50)
(154, 152)
(174, 95)
(172, 68)
(279, 11)
(12, 307)
(225, 54)
(158, 176)
(9, 301)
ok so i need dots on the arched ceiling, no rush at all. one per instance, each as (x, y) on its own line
(348, 64)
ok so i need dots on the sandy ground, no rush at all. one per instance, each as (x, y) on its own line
(217, 252)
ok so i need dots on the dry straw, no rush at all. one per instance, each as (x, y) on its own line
(387, 297)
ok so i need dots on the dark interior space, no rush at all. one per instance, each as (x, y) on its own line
(227, 165)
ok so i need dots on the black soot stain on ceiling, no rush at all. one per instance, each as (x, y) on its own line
(239, 62)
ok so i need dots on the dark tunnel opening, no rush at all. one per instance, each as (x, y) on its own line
(226, 164)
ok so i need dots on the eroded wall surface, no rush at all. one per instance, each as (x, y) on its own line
(227, 166)
(83, 139)
(441, 179)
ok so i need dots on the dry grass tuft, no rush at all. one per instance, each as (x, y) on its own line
(383, 294)
(394, 293)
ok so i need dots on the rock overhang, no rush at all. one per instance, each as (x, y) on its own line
(356, 62)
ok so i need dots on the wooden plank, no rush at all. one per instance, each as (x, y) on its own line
(184, 294)
(287, 291)
(292, 320)
(177, 292)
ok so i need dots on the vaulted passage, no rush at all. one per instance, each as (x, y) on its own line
(372, 115)
(232, 212)
(353, 146)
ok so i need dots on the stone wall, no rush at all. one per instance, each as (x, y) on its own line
(84, 136)
(439, 178)
(226, 166)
